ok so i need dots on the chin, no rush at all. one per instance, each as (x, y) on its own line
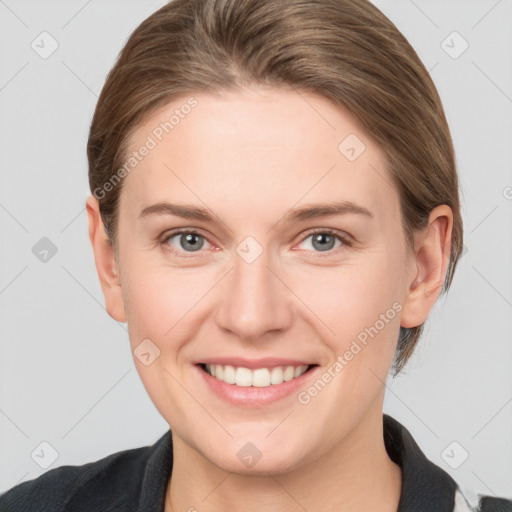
(253, 458)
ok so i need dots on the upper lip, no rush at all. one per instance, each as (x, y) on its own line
(266, 362)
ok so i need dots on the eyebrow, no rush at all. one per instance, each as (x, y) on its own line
(308, 212)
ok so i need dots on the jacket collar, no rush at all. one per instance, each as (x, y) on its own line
(425, 486)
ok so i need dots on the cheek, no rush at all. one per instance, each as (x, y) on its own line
(358, 312)
(161, 304)
(168, 306)
(351, 297)
(158, 296)
(158, 304)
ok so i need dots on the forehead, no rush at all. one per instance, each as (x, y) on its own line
(257, 148)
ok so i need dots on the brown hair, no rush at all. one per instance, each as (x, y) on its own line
(344, 50)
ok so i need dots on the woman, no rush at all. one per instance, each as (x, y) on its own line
(274, 212)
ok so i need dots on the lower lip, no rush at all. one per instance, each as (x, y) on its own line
(251, 395)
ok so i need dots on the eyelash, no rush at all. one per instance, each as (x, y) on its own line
(345, 239)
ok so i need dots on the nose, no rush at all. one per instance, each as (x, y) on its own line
(255, 301)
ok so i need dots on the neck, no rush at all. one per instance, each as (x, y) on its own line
(356, 474)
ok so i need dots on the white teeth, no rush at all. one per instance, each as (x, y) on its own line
(243, 377)
(276, 375)
(229, 374)
(288, 373)
(261, 377)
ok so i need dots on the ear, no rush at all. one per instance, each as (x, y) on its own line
(432, 247)
(106, 263)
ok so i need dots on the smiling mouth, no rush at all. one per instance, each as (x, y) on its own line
(259, 377)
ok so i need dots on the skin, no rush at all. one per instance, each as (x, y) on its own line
(249, 157)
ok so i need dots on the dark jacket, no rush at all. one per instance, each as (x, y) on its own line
(135, 481)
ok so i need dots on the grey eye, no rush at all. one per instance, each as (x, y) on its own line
(189, 242)
(323, 241)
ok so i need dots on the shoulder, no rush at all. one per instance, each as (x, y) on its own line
(426, 486)
(466, 501)
(58, 488)
(113, 482)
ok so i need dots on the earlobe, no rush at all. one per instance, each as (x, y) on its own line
(105, 260)
(431, 257)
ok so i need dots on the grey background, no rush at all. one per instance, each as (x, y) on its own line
(66, 373)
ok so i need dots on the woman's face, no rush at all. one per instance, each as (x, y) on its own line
(253, 174)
